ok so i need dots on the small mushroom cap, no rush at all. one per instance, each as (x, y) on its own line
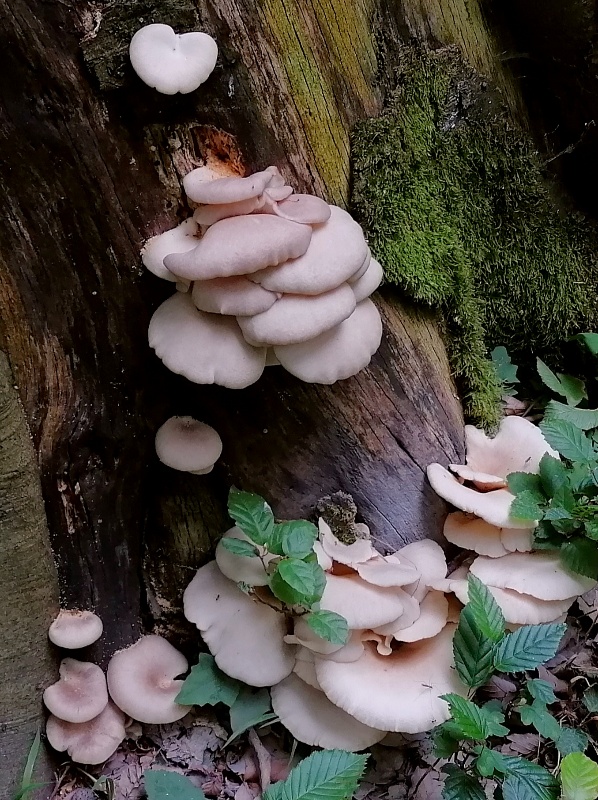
(387, 571)
(360, 551)
(298, 318)
(236, 296)
(206, 187)
(80, 694)
(142, 681)
(493, 507)
(336, 251)
(73, 629)
(362, 604)
(400, 692)
(481, 480)
(177, 240)
(312, 719)
(429, 560)
(304, 208)
(241, 245)
(90, 742)
(540, 574)
(204, 348)
(185, 444)
(209, 214)
(432, 619)
(517, 447)
(305, 637)
(338, 353)
(368, 283)
(472, 533)
(244, 636)
(172, 63)
(241, 569)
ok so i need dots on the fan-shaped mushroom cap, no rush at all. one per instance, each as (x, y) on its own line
(80, 694)
(311, 718)
(241, 569)
(358, 552)
(324, 559)
(241, 245)
(204, 348)
(362, 604)
(540, 574)
(73, 629)
(481, 480)
(142, 681)
(432, 619)
(338, 353)
(209, 214)
(90, 742)
(399, 692)
(244, 636)
(201, 187)
(493, 507)
(472, 533)
(304, 208)
(305, 637)
(236, 296)
(177, 240)
(298, 318)
(365, 285)
(387, 571)
(517, 447)
(410, 615)
(304, 667)
(429, 560)
(336, 251)
(185, 444)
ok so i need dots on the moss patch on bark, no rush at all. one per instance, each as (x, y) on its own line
(460, 213)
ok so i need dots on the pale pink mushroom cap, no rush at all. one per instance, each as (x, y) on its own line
(362, 269)
(241, 245)
(362, 604)
(304, 667)
(336, 251)
(410, 615)
(517, 447)
(177, 240)
(481, 480)
(388, 571)
(241, 569)
(304, 208)
(312, 719)
(305, 637)
(209, 214)
(472, 533)
(432, 619)
(338, 353)
(399, 692)
(73, 629)
(236, 296)
(358, 552)
(80, 694)
(142, 681)
(429, 560)
(185, 444)
(365, 285)
(202, 187)
(90, 742)
(204, 348)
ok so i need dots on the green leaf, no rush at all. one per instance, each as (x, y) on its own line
(239, 547)
(590, 699)
(324, 775)
(297, 582)
(472, 650)
(206, 685)
(329, 626)
(472, 721)
(252, 514)
(572, 740)
(528, 647)
(525, 780)
(525, 506)
(251, 708)
(461, 786)
(519, 482)
(297, 537)
(541, 690)
(28, 785)
(591, 529)
(573, 389)
(485, 763)
(516, 787)
(568, 440)
(581, 556)
(590, 340)
(165, 785)
(485, 611)
(553, 474)
(546, 538)
(579, 777)
(583, 418)
(541, 719)
(505, 369)
(445, 739)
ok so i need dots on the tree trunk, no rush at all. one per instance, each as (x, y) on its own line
(91, 166)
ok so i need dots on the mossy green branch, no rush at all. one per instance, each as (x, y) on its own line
(460, 214)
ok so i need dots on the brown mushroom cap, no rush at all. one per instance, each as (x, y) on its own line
(142, 681)
(90, 742)
(73, 629)
(236, 296)
(204, 348)
(185, 444)
(80, 694)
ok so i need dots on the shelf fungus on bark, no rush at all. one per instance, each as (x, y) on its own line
(281, 278)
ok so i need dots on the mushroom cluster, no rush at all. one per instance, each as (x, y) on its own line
(530, 587)
(275, 278)
(388, 677)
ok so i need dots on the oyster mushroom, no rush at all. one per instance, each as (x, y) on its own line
(80, 694)
(91, 742)
(187, 445)
(73, 629)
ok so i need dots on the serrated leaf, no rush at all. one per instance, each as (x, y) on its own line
(206, 685)
(569, 441)
(553, 474)
(572, 740)
(541, 719)
(581, 556)
(486, 612)
(546, 538)
(329, 626)
(525, 780)
(324, 775)
(298, 582)
(251, 708)
(541, 690)
(590, 699)
(525, 506)
(472, 721)
(239, 547)
(485, 763)
(519, 482)
(573, 389)
(460, 785)
(583, 418)
(472, 650)
(165, 785)
(591, 529)
(445, 740)
(505, 369)
(252, 514)
(579, 777)
(528, 647)
(297, 537)
(590, 340)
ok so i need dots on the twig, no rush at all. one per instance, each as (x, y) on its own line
(263, 759)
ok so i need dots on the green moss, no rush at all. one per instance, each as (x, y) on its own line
(459, 212)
